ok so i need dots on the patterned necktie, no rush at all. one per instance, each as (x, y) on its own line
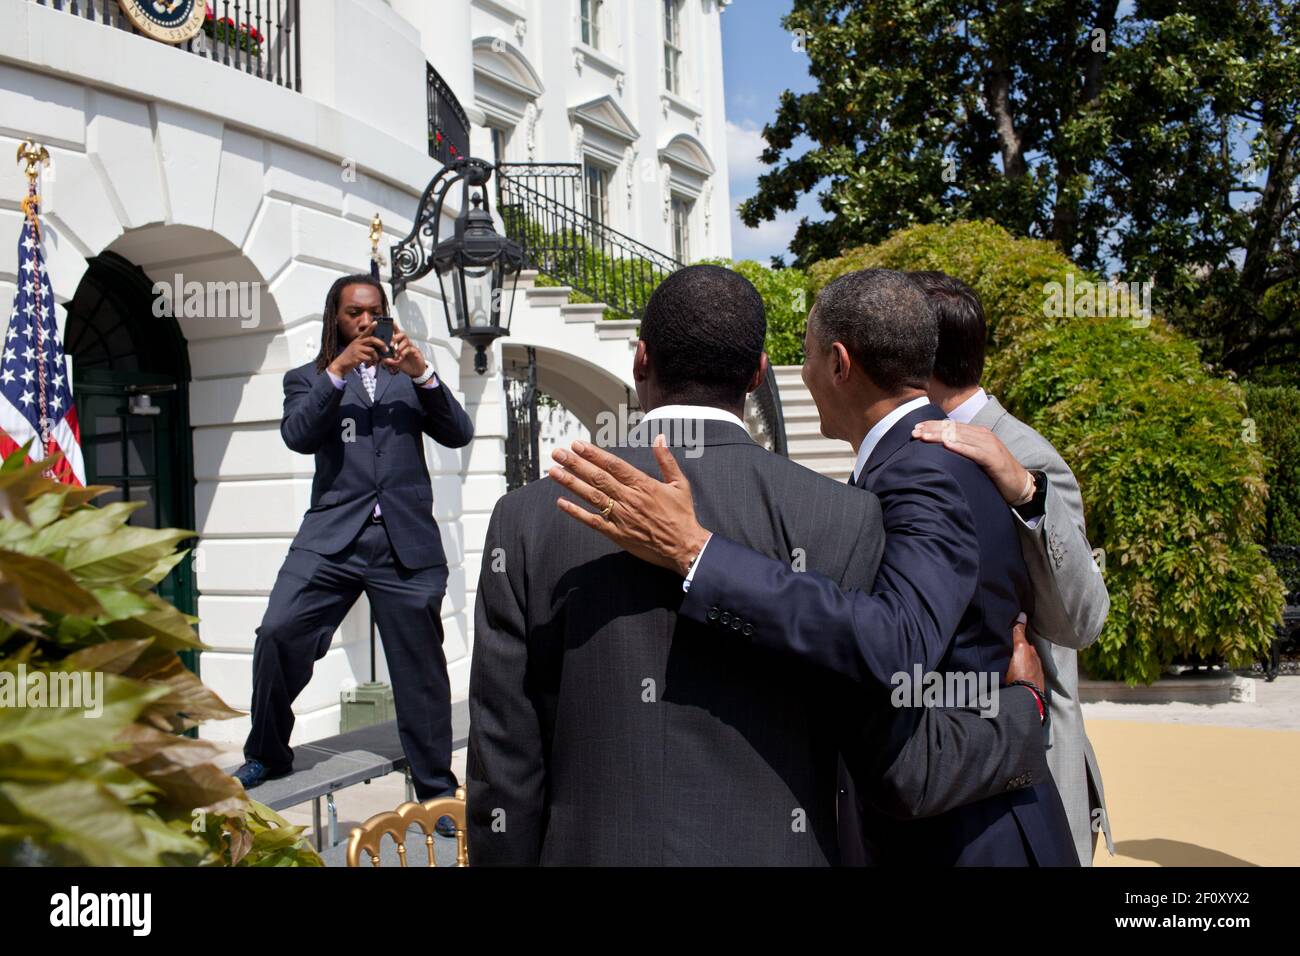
(368, 379)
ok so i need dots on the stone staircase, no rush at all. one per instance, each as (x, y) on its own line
(828, 457)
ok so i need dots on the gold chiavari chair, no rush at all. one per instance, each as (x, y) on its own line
(397, 824)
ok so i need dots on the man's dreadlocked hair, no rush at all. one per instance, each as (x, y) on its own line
(330, 341)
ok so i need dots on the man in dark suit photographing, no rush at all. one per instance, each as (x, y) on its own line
(370, 528)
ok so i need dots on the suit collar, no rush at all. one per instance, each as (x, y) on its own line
(383, 378)
(898, 436)
(682, 432)
(879, 430)
(352, 381)
(989, 416)
(358, 387)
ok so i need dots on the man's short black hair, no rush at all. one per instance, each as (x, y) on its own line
(703, 330)
(959, 362)
(884, 323)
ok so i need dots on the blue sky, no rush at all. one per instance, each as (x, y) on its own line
(758, 62)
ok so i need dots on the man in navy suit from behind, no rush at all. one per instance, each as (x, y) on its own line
(951, 581)
(370, 528)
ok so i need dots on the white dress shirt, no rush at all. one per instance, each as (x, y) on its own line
(879, 429)
(967, 410)
(708, 413)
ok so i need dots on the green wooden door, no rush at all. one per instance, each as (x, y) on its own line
(129, 428)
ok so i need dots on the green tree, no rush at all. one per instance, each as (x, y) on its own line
(1159, 137)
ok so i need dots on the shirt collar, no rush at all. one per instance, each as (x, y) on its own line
(707, 412)
(879, 429)
(967, 410)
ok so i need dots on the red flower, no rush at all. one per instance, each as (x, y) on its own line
(207, 12)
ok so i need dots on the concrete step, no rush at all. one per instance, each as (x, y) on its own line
(553, 295)
(826, 456)
(815, 446)
(578, 312)
(802, 428)
(618, 328)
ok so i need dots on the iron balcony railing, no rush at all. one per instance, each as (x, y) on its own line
(448, 123)
(543, 208)
(258, 37)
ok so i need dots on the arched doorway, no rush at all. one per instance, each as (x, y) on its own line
(130, 379)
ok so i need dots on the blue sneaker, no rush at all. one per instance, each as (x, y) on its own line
(253, 773)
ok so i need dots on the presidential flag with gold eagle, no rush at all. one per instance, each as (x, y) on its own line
(35, 393)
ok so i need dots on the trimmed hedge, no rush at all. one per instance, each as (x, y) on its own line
(787, 296)
(1275, 415)
(1175, 493)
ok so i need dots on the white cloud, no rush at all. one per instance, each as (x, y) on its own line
(772, 238)
(765, 240)
(744, 143)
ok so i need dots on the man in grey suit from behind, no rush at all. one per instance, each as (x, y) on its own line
(1070, 599)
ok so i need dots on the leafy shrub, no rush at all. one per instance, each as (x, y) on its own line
(1275, 413)
(107, 778)
(1173, 491)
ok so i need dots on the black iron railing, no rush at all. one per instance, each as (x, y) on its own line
(258, 37)
(542, 208)
(448, 123)
(767, 400)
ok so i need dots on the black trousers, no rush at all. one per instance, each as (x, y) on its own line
(312, 594)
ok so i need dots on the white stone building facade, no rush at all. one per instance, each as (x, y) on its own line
(166, 163)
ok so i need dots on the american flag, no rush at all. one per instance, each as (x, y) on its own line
(34, 370)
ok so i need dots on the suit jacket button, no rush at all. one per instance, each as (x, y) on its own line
(747, 630)
(726, 617)
(713, 614)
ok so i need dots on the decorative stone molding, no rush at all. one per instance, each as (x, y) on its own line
(667, 174)
(530, 131)
(578, 133)
(629, 165)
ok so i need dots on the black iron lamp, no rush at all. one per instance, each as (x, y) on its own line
(477, 268)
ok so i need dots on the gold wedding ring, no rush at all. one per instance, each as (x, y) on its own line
(609, 507)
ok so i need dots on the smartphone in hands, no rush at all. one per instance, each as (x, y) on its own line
(383, 330)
